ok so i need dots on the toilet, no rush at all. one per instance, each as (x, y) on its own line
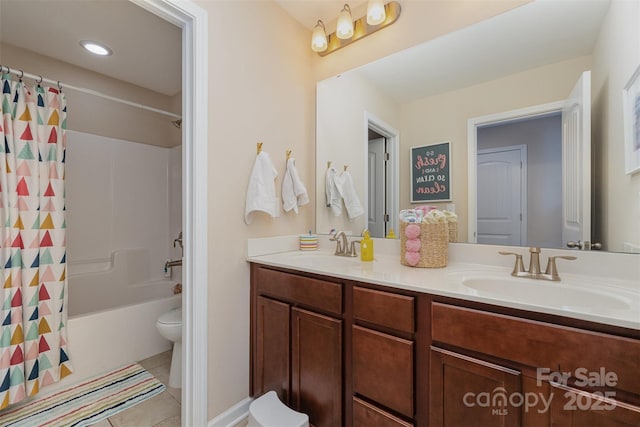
(269, 411)
(169, 325)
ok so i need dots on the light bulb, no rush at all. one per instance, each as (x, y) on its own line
(96, 48)
(344, 29)
(319, 38)
(375, 12)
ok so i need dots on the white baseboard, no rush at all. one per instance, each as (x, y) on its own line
(233, 415)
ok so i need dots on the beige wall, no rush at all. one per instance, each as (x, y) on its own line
(98, 116)
(616, 211)
(260, 89)
(444, 118)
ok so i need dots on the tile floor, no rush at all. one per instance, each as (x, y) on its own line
(162, 410)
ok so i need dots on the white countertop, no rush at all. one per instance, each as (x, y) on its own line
(602, 299)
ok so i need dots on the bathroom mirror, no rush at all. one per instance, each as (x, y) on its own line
(529, 57)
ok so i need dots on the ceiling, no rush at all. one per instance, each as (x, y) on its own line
(529, 36)
(147, 50)
(307, 12)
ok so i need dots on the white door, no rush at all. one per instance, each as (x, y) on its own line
(377, 192)
(576, 162)
(501, 196)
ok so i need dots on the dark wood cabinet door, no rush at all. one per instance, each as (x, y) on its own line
(271, 365)
(469, 392)
(576, 408)
(316, 360)
(367, 415)
(383, 369)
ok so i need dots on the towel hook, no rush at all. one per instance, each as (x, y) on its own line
(21, 75)
(288, 154)
(329, 164)
(259, 147)
(345, 168)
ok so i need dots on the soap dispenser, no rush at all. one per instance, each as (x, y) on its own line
(366, 246)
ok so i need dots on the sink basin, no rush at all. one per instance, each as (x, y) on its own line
(561, 295)
(323, 260)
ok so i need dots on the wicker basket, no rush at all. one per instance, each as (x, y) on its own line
(434, 245)
(453, 232)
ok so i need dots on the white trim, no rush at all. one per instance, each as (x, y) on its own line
(522, 149)
(393, 168)
(472, 143)
(233, 415)
(193, 20)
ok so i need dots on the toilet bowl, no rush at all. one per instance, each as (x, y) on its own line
(169, 325)
(269, 411)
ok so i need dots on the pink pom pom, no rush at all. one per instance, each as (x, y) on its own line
(412, 258)
(412, 231)
(413, 245)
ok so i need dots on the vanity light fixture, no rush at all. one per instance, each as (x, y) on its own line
(375, 12)
(96, 48)
(379, 16)
(344, 29)
(319, 37)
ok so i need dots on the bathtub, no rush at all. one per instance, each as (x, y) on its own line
(112, 316)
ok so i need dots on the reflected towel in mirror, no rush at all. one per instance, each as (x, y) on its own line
(344, 183)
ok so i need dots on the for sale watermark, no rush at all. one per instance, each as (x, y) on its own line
(499, 400)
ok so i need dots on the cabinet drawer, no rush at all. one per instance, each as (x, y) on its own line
(314, 293)
(384, 308)
(367, 415)
(383, 369)
(538, 344)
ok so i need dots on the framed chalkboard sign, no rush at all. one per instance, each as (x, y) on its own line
(431, 173)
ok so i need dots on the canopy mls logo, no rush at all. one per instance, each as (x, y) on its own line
(500, 401)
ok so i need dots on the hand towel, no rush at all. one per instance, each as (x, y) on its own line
(294, 193)
(261, 194)
(344, 183)
(334, 199)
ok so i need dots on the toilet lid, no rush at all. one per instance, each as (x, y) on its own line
(171, 317)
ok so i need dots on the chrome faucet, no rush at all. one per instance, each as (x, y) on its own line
(550, 273)
(342, 245)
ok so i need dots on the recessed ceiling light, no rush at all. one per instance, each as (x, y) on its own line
(96, 48)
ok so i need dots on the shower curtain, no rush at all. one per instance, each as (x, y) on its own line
(33, 283)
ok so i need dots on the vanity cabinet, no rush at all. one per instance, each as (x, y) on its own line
(296, 343)
(355, 354)
(515, 359)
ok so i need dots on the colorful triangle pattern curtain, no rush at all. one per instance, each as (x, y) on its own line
(33, 284)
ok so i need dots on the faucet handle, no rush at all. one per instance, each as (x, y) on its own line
(552, 270)
(519, 265)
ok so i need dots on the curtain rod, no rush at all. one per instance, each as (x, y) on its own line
(40, 79)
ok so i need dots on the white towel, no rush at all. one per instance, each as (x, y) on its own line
(334, 199)
(294, 193)
(261, 194)
(344, 182)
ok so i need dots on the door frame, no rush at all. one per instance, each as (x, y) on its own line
(522, 148)
(392, 135)
(473, 124)
(193, 20)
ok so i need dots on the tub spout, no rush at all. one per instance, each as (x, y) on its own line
(174, 263)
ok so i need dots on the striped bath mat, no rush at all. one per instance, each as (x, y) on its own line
(89, 402)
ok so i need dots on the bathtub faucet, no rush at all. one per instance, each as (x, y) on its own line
(174, 263)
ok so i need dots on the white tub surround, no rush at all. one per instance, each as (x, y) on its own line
(597, 287)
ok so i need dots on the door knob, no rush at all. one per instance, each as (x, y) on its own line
(586, 245)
